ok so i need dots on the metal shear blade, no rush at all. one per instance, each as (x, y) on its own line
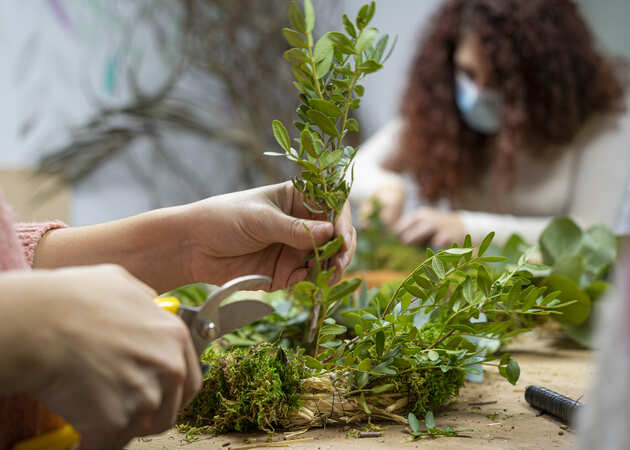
(211, 320)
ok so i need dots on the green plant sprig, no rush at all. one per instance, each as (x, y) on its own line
(327, 75)
(451, 289)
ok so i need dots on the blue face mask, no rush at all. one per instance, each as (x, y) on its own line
(480, 108)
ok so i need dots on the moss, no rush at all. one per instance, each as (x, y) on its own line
(246, 390)
(431, 388)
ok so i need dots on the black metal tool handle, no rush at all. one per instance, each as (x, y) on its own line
(552, 403)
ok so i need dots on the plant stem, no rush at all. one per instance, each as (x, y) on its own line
(443, 338)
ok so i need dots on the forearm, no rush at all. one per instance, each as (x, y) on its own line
(149, 246)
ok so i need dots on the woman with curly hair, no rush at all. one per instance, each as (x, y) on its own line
(510, 116)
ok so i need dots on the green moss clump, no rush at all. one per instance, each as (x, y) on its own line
(430, 389)
(246, 390)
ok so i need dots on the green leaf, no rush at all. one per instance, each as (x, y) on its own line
(306, 140)
(383, 388)
(381, 45)
(330, 248)
(312, 363)
(344, 288)
(438, 267)
(274, 154)
(332, 330)
(309, 15)
(492, 259)
(573, 314)
(349, 26)
(379, 340)
(369, 66)
(431, 274)
(365, 15)
(413, 290)
(296, 17)
(281, 135)
(485, 244)
(433, 355)
(599, 248)
(323, 55)
(468, 290)
(413, 423)
(571, 266)
(562, 237)
(365, 365)
(295, 56)
(352, 125)
(514, 248)
(365, 39)
(331, 159)
(429, 420)
(364, 405)
(421, 280)
(513, 371)
(294, 38)
(323, 122)
(360, 90)
(458, 251)
(328, 108)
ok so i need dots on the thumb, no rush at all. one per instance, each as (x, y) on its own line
(299, 233)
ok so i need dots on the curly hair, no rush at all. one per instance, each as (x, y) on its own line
(546, 67)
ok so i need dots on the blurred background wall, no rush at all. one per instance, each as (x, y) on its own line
(66, 62)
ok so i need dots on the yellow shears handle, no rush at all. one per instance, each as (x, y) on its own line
(66, 437)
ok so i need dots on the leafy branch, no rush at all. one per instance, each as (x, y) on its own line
(327, 74)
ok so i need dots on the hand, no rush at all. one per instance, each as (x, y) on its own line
(391, 199)
(261, 231)
(438, 229)
(91, 344)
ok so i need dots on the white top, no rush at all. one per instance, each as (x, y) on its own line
(587, 183)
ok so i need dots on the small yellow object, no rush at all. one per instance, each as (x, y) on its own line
(170, 304)
(64, 438)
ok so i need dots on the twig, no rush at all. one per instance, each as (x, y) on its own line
(446, 336)
(370, 434)
(494, 402)
(271, 444)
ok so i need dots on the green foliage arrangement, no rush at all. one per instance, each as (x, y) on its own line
(404, 349)
(407, 350)
(577, 264)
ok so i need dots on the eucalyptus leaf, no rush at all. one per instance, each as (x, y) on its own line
(560, 238)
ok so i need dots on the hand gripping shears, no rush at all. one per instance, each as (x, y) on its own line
(206, 323)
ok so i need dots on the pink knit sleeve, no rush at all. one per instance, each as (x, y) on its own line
(30, 234)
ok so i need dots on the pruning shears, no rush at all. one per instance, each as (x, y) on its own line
(206, 323)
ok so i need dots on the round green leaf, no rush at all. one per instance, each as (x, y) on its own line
(562, 237)
(573, 314)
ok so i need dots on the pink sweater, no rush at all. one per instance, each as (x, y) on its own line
(18, 241)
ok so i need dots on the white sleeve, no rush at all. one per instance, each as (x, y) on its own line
(369, 175)
(479, 224)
